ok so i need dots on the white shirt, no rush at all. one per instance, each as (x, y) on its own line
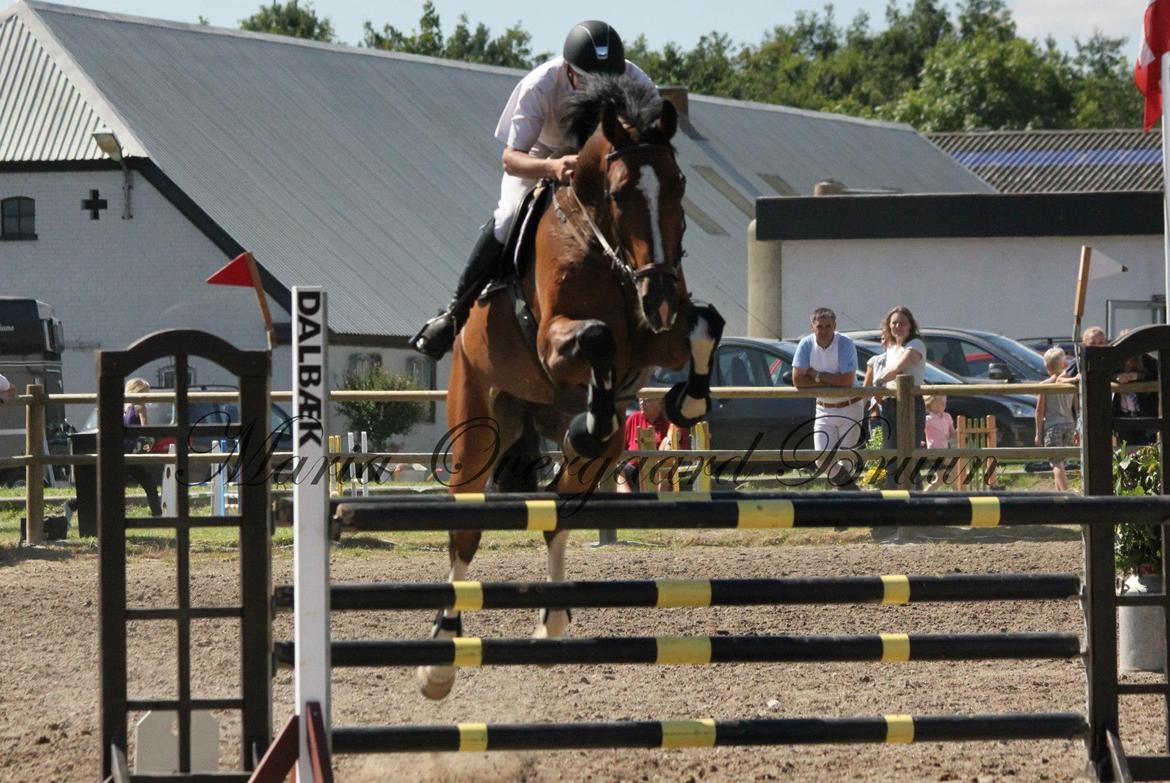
(530, 121)
(5, 384)
(918, 369)
(825, 360)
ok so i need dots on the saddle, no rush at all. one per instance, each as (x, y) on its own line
(519, 252)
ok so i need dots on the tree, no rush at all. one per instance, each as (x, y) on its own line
(1105, 95)
(381, 420)
(984, 82)
(512, 49)
(291, 19)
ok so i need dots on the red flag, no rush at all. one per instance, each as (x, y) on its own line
(243, 271)
(1148, 70)
(237, 272)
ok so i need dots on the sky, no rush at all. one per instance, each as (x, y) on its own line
(662, 21)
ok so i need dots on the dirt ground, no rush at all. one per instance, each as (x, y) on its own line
(49, 681)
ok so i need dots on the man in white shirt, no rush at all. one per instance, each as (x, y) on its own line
(529, 128)
(7, 390)
(826, 359)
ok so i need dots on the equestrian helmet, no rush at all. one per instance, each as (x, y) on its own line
(595, 47)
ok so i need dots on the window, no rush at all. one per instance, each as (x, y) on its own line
(747, 367)
(423, 370)
(18, 218)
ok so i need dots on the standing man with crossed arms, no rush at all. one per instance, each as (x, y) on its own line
(825, 359)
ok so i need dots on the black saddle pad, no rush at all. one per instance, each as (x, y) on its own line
(518, 250)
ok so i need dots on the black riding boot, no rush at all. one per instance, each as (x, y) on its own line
(438, 334)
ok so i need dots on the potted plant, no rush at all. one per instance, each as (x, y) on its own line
(1138, 557)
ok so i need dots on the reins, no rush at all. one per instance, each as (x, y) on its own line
(617, 258)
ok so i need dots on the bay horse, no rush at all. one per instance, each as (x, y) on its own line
(609, 302)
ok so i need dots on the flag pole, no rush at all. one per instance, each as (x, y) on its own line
(1164, 68)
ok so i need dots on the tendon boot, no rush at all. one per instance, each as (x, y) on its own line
(438, 334)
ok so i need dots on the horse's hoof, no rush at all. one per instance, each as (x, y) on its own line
(672, 405)
(584, 442)
(434, 687)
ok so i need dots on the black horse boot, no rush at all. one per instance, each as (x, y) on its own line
(438, 334)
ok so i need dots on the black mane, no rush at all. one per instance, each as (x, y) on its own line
(636, 103)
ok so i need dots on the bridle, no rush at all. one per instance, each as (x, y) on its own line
(617, 258)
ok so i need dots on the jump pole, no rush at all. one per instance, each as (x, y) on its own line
(310, 373)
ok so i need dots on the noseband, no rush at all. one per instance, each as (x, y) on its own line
(617, 257)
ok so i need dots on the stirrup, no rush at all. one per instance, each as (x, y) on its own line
(436, 336)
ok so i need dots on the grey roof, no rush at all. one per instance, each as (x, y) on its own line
(369, 172)
(1059, 160)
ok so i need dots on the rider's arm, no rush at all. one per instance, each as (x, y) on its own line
(520, 164)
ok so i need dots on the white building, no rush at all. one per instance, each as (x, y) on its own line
(363, 171)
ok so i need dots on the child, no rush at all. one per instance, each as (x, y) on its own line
(1056, 416)
(940, 429)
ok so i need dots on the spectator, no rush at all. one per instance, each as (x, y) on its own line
(649, 416)
(873, 406)
(825, 359)
(905, 355)
(7, 390)
(1142, 367)
(1093, 337)
(940, 431)
(135, 414)
(1056, 414)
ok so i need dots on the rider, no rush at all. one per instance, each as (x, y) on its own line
(530, 129)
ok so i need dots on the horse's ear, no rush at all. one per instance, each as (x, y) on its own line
(611, 125)
(668, 123)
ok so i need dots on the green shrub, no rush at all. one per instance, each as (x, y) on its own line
(1137, 549)
(382, 420)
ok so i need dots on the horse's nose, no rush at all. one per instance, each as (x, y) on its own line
(665, 315)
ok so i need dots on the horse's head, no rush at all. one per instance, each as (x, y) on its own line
(628, 177)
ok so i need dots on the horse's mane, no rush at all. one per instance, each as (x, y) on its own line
(638, 105)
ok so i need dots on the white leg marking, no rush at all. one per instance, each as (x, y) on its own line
(556, 620)
(436, 681)
(649, 185)
(702, 345)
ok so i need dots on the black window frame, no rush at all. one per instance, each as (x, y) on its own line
(23, 231)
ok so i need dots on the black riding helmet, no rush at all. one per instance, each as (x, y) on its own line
(595, 47)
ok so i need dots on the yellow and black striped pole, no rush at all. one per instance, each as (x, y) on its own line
(706, 733)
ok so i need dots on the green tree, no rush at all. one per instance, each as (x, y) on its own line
(381, 420)
(291, 19)
(1105, 93)
(512, 49)
(985, 82)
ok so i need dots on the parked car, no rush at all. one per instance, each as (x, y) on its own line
(213, 413)
(1015, 414)
(975, 355)
(786, 424)
(740, 424)
(1042, 344)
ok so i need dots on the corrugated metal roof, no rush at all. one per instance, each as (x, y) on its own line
(42, 114)
(369, 172)
(1059, 161)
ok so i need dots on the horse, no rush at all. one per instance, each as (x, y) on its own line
(608, 302)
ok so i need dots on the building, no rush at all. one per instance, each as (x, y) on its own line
(1059, 161)
(366, 172)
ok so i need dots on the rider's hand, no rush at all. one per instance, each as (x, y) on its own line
(561, 169)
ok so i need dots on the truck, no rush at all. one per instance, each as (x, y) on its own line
(31, 341)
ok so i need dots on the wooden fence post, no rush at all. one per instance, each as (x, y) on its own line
(34, 472)
(906, 432)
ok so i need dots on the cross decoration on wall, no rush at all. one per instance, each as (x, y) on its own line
(95, 205)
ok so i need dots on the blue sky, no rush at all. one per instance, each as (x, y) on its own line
(681, 21)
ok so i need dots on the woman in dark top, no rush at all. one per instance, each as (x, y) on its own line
(135, 414)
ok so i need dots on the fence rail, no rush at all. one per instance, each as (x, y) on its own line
(905, 451)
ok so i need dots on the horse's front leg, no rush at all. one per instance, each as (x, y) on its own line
(578, 479)
(689, 401)
(582, 352)
(436, 682)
